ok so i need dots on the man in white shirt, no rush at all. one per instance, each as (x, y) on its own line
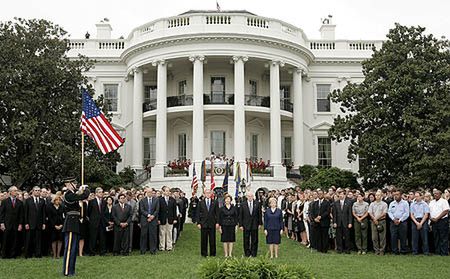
(439, 208)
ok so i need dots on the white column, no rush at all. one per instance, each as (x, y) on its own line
(275, 120)
(239, 110)
(137, 143)
(197, 111)
(298, 118)
(161, 120)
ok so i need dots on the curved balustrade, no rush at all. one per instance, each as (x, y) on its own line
(258, 101)
(218, 98)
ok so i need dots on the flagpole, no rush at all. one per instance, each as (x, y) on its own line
(82, 158)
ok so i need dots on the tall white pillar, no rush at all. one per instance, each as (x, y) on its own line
(138, 145)
(298, 118)
(275, 120)
(197, 111)
(239, 110)
(161, 120)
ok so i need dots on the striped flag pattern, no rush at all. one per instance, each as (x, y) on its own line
(95, 125)
(237, 179)
(194, 184)
(213, 181)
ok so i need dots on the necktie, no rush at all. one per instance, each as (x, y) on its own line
(99, 201)
(342, 205)
(251, 208)
(207, 204)
(35, 202)
(149, 205)
(14, 203)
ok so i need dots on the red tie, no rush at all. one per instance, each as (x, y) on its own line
(14, 203)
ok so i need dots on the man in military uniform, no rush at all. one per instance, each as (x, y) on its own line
(71, 227)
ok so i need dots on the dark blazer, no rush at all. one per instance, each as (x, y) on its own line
(208, 218)
(323, 210)
(11, 216)
(144, 212)
(95, 213)
(121, 216)
(250, 220)
(107, 216)
(167, 212)
(34, 214)
(228, 217)
(342, 217)
(273, 220)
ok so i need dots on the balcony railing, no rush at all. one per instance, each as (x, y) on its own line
(267, 172)
(286, 105)
(178, 101)
(149, 105)
(169, 172)
(258, 101)
(218, 98)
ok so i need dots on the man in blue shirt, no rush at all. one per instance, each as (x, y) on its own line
(419, 217)
(398, 213)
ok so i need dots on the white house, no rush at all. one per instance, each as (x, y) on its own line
(228, 82)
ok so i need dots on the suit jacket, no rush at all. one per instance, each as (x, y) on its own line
(322, 210)
(250, 220)
(273, 220)
(122, 216)
(208, 218)
(167, 212)
(144, 211)
(342, 217)
(34, 214)
(95, 213)
(11, 216)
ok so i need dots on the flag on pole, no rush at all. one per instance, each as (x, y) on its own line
(217, 6)
(194, 184)
(249, 174)
(237, 179)
(225, 179)
(213, 182)
(203, 171)
(95, 125)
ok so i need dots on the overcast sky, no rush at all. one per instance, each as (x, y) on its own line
(355, 19)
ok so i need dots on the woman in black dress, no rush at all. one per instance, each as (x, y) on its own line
(228, 220)
(55, 215)
(107, 215)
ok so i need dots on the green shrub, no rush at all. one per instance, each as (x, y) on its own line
(326, 177)
(308, 171)
(250, 268)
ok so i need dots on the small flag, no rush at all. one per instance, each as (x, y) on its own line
(203, 172)
(95, 125)
(217, 6)
(194, 185)
(249, 174)
(213, 182)
(237, 179)
(225, 179)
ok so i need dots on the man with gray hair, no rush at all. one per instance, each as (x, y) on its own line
(97, 225)
(11, 220)
(250, 220)
(34, 223)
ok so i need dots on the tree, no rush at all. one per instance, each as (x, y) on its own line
(40, 105)
(398, 118)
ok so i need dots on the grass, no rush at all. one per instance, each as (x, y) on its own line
(184, 261)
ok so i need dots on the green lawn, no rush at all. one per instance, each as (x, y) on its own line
(183, 262)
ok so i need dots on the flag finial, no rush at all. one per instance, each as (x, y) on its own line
(218, 6)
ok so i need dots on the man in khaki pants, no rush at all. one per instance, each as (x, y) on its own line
(167, 217)
(377, 213)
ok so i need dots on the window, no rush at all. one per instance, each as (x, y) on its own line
(182, 146)
(324, 148)
(182, 87)
(254, 148)
(218, 142)
(150, 93)
(111, 96)
(149, 151)
(286, 150)
(323, 97)
(253, 88)
(285, 93)
(218, 90)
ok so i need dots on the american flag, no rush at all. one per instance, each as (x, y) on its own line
(213, 182)
(194, 184)
(237, 179)
(95, 125)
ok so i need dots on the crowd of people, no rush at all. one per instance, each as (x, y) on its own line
(150, 220)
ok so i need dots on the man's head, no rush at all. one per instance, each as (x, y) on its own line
(36, 191)
(398, 195)
(360, 196)
(418, 196)
(342, 195)
(437, 194)
(207, 193)
(250, 196)
(166, 191)
(122, 198)
(12, 191)
(320, 194)
(99, 192)
(378, 195)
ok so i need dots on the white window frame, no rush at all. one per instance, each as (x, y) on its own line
(119, 87)
(331, 112)
(331, 150)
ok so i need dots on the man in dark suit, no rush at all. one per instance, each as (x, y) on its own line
(208, 223)
(342, 222)
(46, 233)
(97, 226)
(34, 219)
(148, 213)
(166, 219)
(11, 220)
(321, 216)
(250, 220)
(122, 213)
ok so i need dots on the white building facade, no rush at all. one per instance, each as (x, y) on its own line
(229, 83)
